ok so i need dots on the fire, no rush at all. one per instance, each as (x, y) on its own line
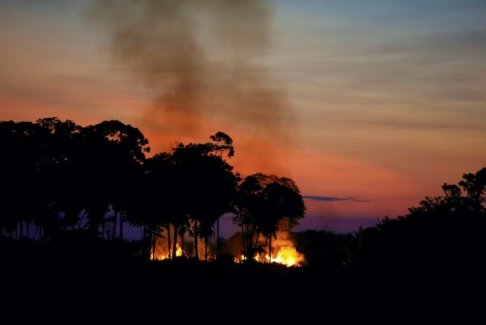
(164, 256)
(286, 255)
(289, 256)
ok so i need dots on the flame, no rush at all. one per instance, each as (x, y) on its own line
(163, 256)
(286, 255)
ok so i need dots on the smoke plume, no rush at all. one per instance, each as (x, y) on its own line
(203, 61)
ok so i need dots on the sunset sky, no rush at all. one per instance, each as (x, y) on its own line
(369, 105)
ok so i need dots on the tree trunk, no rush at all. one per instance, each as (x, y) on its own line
(217, 239)
(243, 241)
(145, 247)
(206, 248)
(169, 255)
(196, 248)
(121, 226)
(114, 225)
(182, 242)
(103, 230)
(21, 233)
(28, 230)
(257, 239)
(174, 246)
(270, 248)
(154, 244)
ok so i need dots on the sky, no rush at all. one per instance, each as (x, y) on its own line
(369, 105)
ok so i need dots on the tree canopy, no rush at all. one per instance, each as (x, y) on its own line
(59, 176)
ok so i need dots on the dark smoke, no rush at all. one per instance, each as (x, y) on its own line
(202, 60)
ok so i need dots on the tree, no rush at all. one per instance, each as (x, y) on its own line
(193, 180)
(208, 181)
(18, 173)
(124, 155)
(35, 158)
(105, 165)
(442, 233)
(284, 207)
(266, 204)
(474, 185)
(144, 207)
(60, 187)
(165, 184)
(247, 212)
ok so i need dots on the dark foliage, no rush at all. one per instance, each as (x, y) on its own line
(77, 186)
(58, 177)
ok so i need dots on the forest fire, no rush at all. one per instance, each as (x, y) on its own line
(161, 255)
(287, 255)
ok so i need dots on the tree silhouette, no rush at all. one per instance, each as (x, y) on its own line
(164, 183)
(283, 206)
(264, 205)
(18, 173)
(441, 233)
(125, 148)
(61, 141)
(55, 175)
(102, 163)
(247, 212)
(208, 181)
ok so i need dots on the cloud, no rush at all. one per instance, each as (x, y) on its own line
(333, 199)
(414, 123)
(344, 224)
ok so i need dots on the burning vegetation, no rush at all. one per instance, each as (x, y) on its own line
(197, 59)
(164, 249)
(282, 252)
(265, 207)
(177, 196)
(163, 254)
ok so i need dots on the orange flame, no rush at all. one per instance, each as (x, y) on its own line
(163, 256)
(286, 255)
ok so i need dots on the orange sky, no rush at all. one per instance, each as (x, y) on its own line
(379, 110)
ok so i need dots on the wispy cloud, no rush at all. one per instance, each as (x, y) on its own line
(343, 224)
(333, 199)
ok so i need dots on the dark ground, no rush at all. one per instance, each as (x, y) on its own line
(47, 283)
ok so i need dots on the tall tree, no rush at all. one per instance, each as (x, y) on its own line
(166, 183)
(124, 155)
(283, 207)
(208, 182)
(60, 186)
(264, 203)
(18, 171)
(148, 206)
(247, 210)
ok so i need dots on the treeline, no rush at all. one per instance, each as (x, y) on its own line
(443, 234)
(56, 174)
